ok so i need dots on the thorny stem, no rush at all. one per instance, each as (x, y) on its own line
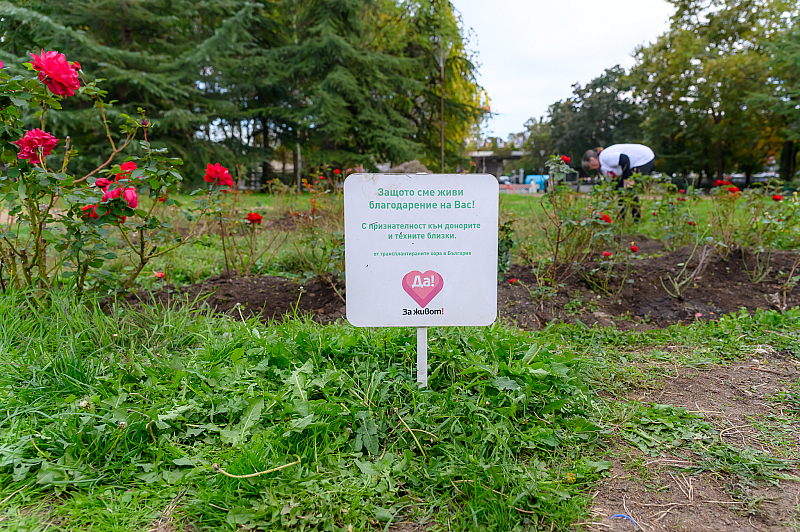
(224, 248)
(111, 158)
(114, 151)
(105, 123)
(66, 157)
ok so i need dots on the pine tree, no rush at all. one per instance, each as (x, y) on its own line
(153, 54)
(352, 82)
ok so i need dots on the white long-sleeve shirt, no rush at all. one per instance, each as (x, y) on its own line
(610, 164)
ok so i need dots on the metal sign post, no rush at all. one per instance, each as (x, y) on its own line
(422, 356)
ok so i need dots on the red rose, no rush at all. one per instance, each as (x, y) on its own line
(102, 183)
(733, 189)
(218, 175)
(512, 281)
(681, 199)
(611, 174)
(682, 191)
(607, 253)
(126, 168)
(322, 178)
(565, 159)
(254, 218)
(76, 66)
(718, 183)
(162, 199)
(337, 171)
(727, 183)
(159, 275)
(56, 73)
(128, 194)
(777, 197)
(691, 223)
(92, 212)
(606, 218)
(634, 249)
(33, 141)
(655, 213)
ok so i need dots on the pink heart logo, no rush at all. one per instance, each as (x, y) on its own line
(423, 287)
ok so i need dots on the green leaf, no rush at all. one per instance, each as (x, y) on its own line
(600, 465)
(504, 383)
(250, 417)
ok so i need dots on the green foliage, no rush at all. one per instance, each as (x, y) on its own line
(745, 465)
(144, 400)
(113, 414)
(154, 54)
(505, 243)
(230, 81)
(714, 94)
(659, 427)
(598, 114)
(695, 81)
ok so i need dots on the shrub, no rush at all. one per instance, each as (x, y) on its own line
(50, 209)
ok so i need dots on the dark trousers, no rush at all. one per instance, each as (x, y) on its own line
(645, 169)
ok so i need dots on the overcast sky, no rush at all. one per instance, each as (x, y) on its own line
(531, 51)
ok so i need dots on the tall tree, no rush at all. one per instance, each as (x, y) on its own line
(599, 114)
(780, 95)
(351, 82)
(695, 81)
(152, 53)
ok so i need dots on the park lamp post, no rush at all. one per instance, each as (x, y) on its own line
(440, 53)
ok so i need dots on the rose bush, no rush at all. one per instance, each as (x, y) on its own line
(50, 209)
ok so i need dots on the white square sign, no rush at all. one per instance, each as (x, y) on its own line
(421, 250)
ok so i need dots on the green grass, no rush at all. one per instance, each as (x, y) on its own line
(106, 418)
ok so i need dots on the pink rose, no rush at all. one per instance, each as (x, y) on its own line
(130, 196)
(33, 141)
(56, 73)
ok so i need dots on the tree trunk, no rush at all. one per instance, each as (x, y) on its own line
(748, 176)
(787, 162)
(719, 161)
(297, 162)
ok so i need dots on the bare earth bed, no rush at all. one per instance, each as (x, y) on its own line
(642, 305)
(662, 493)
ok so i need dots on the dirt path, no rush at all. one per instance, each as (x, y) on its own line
(666, 491)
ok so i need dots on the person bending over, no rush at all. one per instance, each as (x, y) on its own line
(620, 162)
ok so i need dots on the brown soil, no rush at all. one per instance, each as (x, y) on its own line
(266, 297)
(658, 496)
(644, 304)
